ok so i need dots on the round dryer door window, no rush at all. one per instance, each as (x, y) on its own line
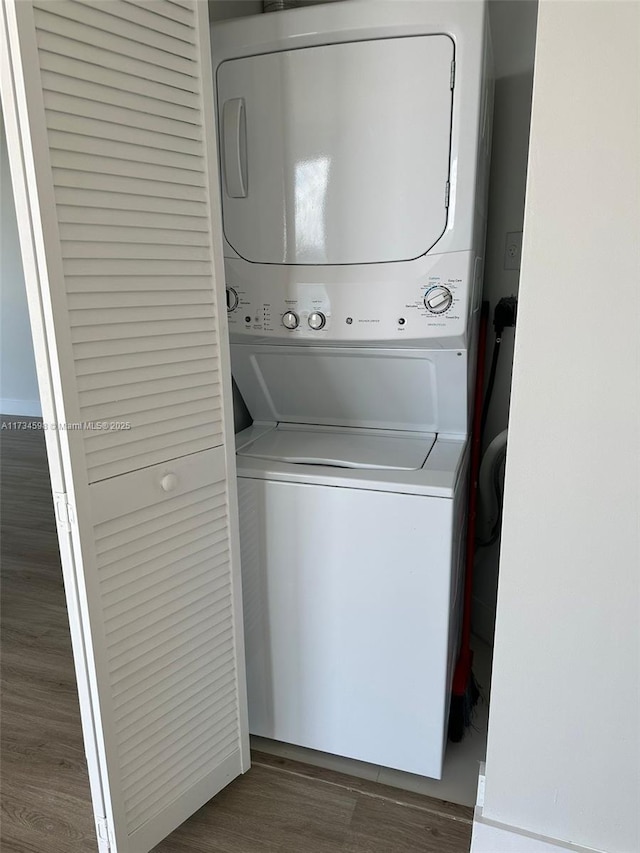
(337, 154)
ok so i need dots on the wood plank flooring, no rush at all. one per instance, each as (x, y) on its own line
(279, 806)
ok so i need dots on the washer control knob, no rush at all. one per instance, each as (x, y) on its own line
(438, 299)
(317, 320)
(232, 299)
(290, 320)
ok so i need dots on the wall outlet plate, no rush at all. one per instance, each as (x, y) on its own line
(513, 250)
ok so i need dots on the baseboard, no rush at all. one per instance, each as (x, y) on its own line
(30, 408)
(490, 836)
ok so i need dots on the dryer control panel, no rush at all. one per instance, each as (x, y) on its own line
(431, 298)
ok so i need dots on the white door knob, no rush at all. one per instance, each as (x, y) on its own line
(169, 482)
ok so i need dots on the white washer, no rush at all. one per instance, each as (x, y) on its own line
(352, 551)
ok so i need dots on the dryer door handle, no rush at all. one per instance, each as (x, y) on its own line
(234, 143)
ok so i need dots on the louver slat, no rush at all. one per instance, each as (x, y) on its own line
(80, 70)
(133, 385)
(115, 267)
(119, 132)
(85, 182)
(163, 598)
(124, 285)
(90, 91)
(181, 778)
(108, 39)
(188, 394)
(170, 705)
(155, 298)
(157, 364)
(136, 67)
(133, 233)
(188, 227)
(189, 679)
(165, 10)
(147, 18)
(191, 674)
(93, 15)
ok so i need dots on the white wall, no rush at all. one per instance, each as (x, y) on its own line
(564, 732)
(18, 384)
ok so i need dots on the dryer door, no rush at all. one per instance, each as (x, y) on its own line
(337, 154)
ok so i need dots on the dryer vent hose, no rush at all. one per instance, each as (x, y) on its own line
(490, 487)
(278, 5)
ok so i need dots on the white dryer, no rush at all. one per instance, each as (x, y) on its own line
(354, 143)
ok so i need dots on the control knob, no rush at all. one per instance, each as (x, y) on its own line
(438, 299)
(316, 320)
(290, 320)
(232, 299)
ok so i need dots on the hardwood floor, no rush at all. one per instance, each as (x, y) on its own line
(279, 806)
(44, 784)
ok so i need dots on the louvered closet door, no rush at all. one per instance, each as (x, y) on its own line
(109, 112)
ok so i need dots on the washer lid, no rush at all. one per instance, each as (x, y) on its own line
(375, 388)
(352, 448)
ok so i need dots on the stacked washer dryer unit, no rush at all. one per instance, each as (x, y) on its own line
(354, 143)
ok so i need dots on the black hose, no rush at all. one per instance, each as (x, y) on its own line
(504, 315)
(490, 384)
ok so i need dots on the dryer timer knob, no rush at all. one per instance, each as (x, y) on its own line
(438, 299)
(290, 320)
